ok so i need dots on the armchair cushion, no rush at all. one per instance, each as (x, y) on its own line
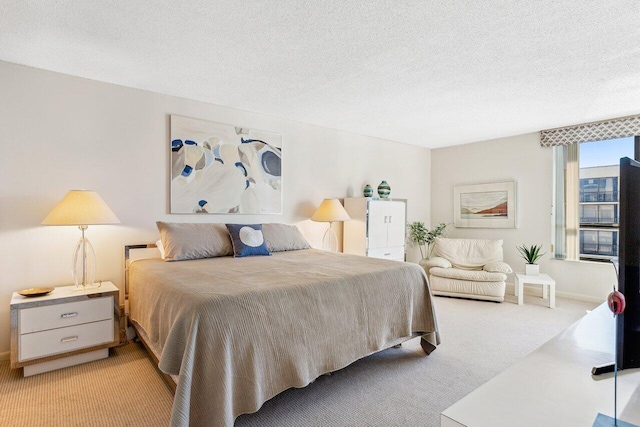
(469, 275)
(436, 261)
(468, 254)
(428, 264)
(498, 267)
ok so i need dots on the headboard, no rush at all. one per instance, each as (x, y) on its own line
(133, 253)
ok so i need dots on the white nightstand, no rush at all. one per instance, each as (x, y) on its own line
(64, 328)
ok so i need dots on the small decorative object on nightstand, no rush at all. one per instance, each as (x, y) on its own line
(63, 328)
(368, 191)
(384, 189)
(35, 292)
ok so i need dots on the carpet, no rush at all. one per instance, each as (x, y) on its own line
(122, 390)
(396, 387)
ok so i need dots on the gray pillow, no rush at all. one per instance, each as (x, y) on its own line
(182, 241)
(283, 237)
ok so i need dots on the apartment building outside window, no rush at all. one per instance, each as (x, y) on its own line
(599, 200)
(602, 244)
(603, 189)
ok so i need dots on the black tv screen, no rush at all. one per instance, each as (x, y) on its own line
(628, 337)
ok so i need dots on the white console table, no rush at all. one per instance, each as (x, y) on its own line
(553, 385)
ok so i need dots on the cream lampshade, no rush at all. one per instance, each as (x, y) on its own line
(82, 208)
(330, 210)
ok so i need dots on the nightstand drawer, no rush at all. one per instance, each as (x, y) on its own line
(62, 340)
(394, 253)
(62, 315)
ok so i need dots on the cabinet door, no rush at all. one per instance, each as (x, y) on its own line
(396, 219)
(377, 224)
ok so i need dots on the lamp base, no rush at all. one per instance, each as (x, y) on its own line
(87, 287)
(330, 240)
(84, 262)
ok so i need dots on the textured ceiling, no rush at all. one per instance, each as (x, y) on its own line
(428, 73)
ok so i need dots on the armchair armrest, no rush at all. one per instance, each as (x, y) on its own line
(436, 261)
(498, 267)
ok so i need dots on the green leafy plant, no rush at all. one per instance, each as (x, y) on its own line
(423, 237)
(531, 254)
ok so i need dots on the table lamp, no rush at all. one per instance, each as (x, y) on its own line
(82, 208)
(330, 210)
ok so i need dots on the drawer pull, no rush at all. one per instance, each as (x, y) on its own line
(66, 315)
(69, 339)
(387, 254)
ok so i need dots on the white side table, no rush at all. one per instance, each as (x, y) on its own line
(542, 279)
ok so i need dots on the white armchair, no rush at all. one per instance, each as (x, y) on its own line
(467, 268)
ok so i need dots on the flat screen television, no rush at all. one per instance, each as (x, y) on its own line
(628, 327)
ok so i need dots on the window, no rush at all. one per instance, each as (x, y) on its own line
(598, 244)
(599, 189)
(598, 214)
(587, 197)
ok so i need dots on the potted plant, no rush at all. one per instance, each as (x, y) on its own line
(531, 254)
(424, 238)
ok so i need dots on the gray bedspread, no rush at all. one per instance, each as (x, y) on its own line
(238, 331)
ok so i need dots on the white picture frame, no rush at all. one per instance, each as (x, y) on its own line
(485, 205)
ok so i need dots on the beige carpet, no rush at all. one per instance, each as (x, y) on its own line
(123, 390)
(396, 387)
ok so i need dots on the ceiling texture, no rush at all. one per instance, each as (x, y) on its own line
(427, 73)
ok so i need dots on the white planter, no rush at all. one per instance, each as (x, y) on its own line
(531, 269)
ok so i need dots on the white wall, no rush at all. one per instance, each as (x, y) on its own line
(523, 160)
(60, 132)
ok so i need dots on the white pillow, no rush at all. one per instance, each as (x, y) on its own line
(160, 248)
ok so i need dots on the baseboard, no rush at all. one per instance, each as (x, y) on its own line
(578, 297)
(5, 356)
(536, 291)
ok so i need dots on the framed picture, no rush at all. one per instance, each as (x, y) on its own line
(485, 205)
(223, 169)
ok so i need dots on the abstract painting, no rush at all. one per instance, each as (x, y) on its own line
(485, 205)
(223, 169)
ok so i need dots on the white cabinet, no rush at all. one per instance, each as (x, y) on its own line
(377, 227)
(64, 328)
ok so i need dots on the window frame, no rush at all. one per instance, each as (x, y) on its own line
(560, 237)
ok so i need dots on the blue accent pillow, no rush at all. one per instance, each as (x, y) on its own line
(247, 240)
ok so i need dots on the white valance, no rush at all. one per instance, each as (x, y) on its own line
(588, 132)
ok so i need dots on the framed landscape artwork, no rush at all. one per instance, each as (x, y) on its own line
(485, 205)
(223, 169)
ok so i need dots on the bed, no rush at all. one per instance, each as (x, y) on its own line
(234, 332)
